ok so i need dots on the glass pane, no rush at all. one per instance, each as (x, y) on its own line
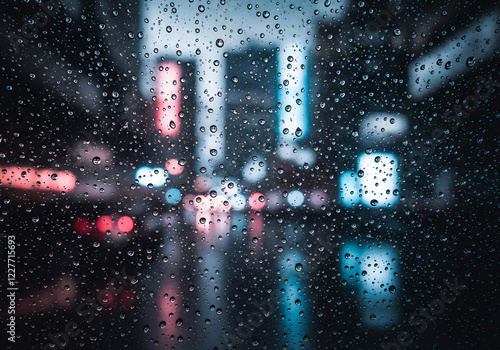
(238, 175)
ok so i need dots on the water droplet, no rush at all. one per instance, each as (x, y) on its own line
(96, 160)
(470, 61)
(298, 267)
(219, 43)
(374, 202)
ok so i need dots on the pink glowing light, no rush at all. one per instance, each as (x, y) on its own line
(169, 98)
(173, 167)
(104, 223)
(37, 179)
(257, 201)
(125, 224)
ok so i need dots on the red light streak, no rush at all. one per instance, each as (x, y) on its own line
(37, 179)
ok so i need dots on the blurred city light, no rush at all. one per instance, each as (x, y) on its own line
(37, 179)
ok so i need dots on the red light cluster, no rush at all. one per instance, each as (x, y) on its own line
(110, 297)
(104, 223)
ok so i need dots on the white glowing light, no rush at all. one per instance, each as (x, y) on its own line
(255, 170)
(151, 176)
(238, 202)
(295, 198)
(378, 182)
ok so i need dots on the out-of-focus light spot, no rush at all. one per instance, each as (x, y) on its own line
(107, 297)
(225, 186)
(127, 298)
(173, 196)
(173, 167)
(257, 201)
(188, 202)
(169, 98)
(147, 176)
(37, 179)
(372, 270)
(255, 170)
(319, 199)
(374, 184)
(82, 226)
(348, 187)
(93, 155)
(379, 184)
(202, 183)
(384, 127)
(274, 200)
(104, 223)
(295, 198)
(238, 201)
(125, 224)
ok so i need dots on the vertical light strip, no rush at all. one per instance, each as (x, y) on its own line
(292, 117)
(168, 86)
(210, 133)
(293, 102)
